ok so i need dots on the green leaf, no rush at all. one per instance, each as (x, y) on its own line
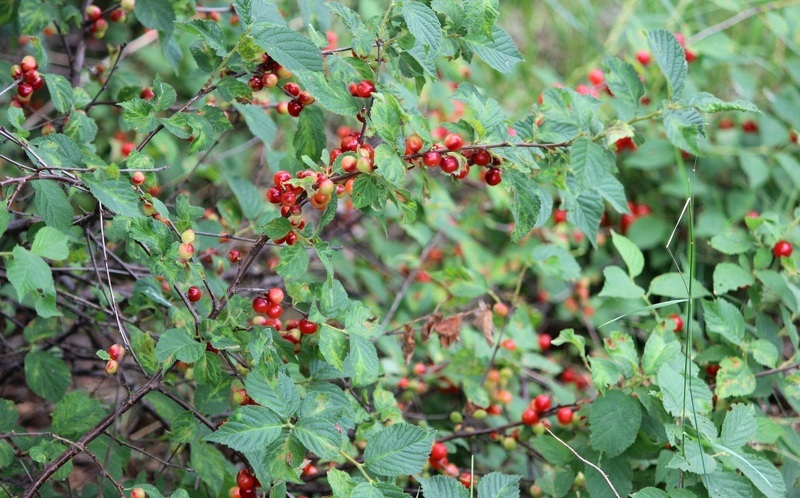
(684, 128)
(289, 48)
(178, 344)
(8, 415)
(657, 352)
(585, 211)
(424, 25)
(764, 352)
(671, 382)
(28, 273)
(210, 465)
(568, 336)
(725, 319)
(622, 351)
(480, 16)
(76, 413)
(261, 11)
(294, 262)
(498, 51)
(334, 346)
(732, 241)
(526, 205)
(614, 422)
(16, 117)
(727, 484)
(604, 372)
(47, 375)
(203, 134)
(734, 378)
(618, 284)
(672, 285)
(385, 115)
(739, 426)
(60, 92)
(730, 277)
(319, 435)
(694, 459)
(249, 427)
(50, 243)
(369, 191)
(623, 81)
(364, 358)
(155, 14)
(650, 493)
(440, 486)
(248, 196)
(791, 386)
(52, 204)
(165, 95)
(332, 96)
(138, 114)
(631, 254)
(399, 449)
(705, 102)
(309, 139)
(670, 57)
(277, 228)
(33, 16)
(761, 472)
(208, 30)
(497, 485)
(258, 122)
(278, 393)
(115, 195)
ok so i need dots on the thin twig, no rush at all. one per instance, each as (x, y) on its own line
(741, 16)
(587, 462)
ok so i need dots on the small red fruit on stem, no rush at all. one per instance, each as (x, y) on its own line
(112, 367)
(530, 417)
(541, 402)
(194, 294)
(453, 142)
(782, 249)
(438, 451)
(544, 341)
(678, 322)
(116, 352)
(564, 415)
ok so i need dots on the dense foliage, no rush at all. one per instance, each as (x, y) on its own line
(306, 249)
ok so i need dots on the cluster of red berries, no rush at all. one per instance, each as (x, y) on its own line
(286, 195)
(116, 352)
(270, 305)
(98, 25)
(28, 80)
(539, 406)
(363, 89)
(362, 158)
(444, 156)
(438, 460)
(268, 74)
(186, 248)
(247, 484)
(636, 211)
(570, 376)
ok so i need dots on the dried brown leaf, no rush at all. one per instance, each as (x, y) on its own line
(449, 330)
(409, 343)
(485, 324)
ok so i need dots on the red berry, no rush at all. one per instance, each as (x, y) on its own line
(544, 341)
(530, 416)
(420, 369)
(643, 56)
(564, 415)
(493, 177)
(274, 195)
(782, 249)
(726, 124)
(116, 352)
(678, 322)
(93, 12)
(691, 56)
(560, 216)
(127, 148)
(247, 493)
(246, 480)
(234, 256)
(309, 470)
(255, 83)
(138, 178)
(353, 89)
(481, 157)
(24, 90)
(99, 28)
(750, 126)
(274, 310)
(365, 89)
(117, 15)
(349, 143)
(432, 159)
(147, 93)
(112, 367)
(413, 144)
(569, 375)
(288, 198)
(185, 250)
(642, 210)
(712, 369)
(438, 451)
(365, 165)
(260, 305)
(541, 402)
(31, 76)
(509, 344)
(292, 89)
(307, 327)
(295, 108)
(453, 141)
(349, 163)
(596, 77)
(281, 177)
(28, 64)
(194, 294)
(500, 309)
(138, 493)
(449, 164)
(466, 480)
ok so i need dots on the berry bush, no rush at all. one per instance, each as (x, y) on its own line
(309, 249)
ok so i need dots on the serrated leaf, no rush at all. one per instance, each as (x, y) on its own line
(60, 92)
(440, 486)
(619, 285)
(705, 102)
(725, 319)
(248, 196)
(289, 48)
(309, 139)
(759, 471)
(729, 277)
(155, 14)
(670, 57)
(319, 435)
(726, 484)
(424, 25)
(208, 30)
(657, 352)
(47, 375)
(650, 493)
(568, 336)
(138, 114)
(178, 344)
(385, 115)
(258, 11)
(734, 378)
(76, 413)
(277, 228)
(364, 358)
(739, 426)
(672, 285)
(685, 129)
(294, 262)
(278, 394)
(764, 352)
(585, 211)
(499, 51)
(53, 205)
(693, 459)
(258, 122)
(332, 96)
(672, 382)
(526, 204)
(28, 273)
(732, 241)
(631, 254)
(50, 243)
(614, 422)
(247, 428)
(398, 450)
(334, 346)
(623, 81)
(497, 485)
(115, 195)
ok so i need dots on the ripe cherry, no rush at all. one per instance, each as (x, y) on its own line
(246, 480)
(138, 178)
(234, 256)
(281, 177)
(678, 322)
(260, 305)
(31, 76)
(500, 309)
(353, 89)
(432, 159)
(750, 126)
(544, 341)
(493, 177)
(194, 294)
(307, 327)
(116, 352)
(453, 141)
(275, 295)
(112, 366)
(365, 89)
(560, 216)
(509, 344)
(596, 77)
(465, 479)
(530, 416)
(643, 56)
(348, 163)
(413, 144)
(306, 98)
(309, 470)
(782, 249)
(274, 310)
(147, 93)
(247, 493)
(294, 108)
(712, 369)
(288, 198)
(564, 415)
(292, 89)
(449, 164)
(438, 451)
(255, 83)
(117, 15)
(93, 12)
(541, 402)
(349, 143)
(185, 250)
(481, 157)
(274, 195)
(127, 148)
(420, 369)
(24, 90)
